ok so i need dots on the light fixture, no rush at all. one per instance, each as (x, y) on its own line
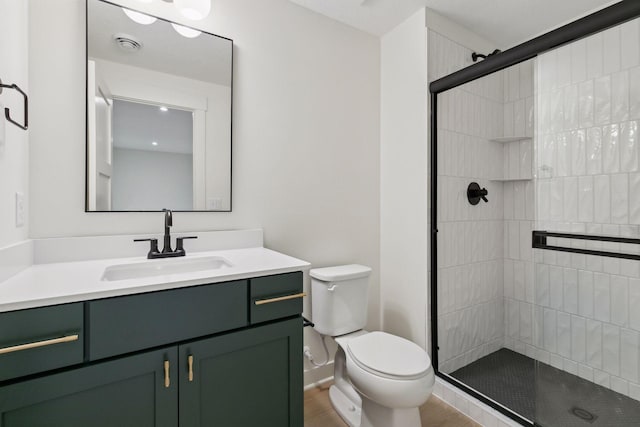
(154, 143)
(138, 17)
(164, 109)
(186, 31)
(195, 10)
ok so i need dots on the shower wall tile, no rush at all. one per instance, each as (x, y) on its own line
(629, 346)
(634, 93)
(594, 56)
(611, 47)
(611, 349)
(629, 52)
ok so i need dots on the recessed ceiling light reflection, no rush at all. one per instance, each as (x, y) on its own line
(164, 109)
(154, 143)
(138, 17)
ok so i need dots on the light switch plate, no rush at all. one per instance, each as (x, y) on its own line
(20, 209)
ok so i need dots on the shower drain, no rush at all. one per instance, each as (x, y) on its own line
(583, 414)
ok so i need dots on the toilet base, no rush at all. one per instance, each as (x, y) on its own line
(348, 410)
(375, 415)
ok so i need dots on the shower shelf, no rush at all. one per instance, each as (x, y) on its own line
(510, 179)
(506, 139)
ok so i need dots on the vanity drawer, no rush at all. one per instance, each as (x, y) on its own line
(274, 297)
(125, 324)
(40, 339)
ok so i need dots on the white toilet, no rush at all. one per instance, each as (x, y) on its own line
(380, 380)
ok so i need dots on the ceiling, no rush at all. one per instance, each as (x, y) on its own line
(136, 126)
(206, 58)
(503, 22)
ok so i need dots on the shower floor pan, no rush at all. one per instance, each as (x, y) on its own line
(551, 397)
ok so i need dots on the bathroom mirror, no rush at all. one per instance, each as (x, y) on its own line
(158, 114)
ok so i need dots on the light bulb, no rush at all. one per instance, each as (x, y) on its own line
(193, 9)
(186, 31)
(138, 17)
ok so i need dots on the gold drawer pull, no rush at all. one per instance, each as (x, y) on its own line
(284, 298)
(190, 361)
(167, 380)
(37, 344)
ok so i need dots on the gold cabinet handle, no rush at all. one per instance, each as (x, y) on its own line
(21, 347)
(167, 380)
(190, 362)
(278, 299)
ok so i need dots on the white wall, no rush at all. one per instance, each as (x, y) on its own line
(404, 233)
(14, 142)
(146, 180)
(305, 133)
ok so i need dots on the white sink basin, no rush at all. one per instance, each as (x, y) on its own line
(163, 267)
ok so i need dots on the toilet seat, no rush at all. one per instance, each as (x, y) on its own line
(388, 356)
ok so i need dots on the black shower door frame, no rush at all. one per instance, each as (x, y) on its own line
(611, 16)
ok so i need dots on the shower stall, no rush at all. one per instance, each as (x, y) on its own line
(536, 223)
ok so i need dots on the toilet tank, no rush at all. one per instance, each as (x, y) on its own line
(339, 297)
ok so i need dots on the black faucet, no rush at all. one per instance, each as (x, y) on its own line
(167, 252)
(168, 222)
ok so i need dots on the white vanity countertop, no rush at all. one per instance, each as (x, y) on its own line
(65, 282)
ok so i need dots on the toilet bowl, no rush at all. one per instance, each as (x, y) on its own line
(380, 380)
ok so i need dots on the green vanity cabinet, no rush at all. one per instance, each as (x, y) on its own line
(127, 392)
(191, 358)
(247, 379)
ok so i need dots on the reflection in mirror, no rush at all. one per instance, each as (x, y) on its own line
(158, 114)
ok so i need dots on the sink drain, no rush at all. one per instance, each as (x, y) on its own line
(583, 414)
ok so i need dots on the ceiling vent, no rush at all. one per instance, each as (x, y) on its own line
(127, 43)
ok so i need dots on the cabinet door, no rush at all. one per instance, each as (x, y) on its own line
(128, 392)
(244, 379)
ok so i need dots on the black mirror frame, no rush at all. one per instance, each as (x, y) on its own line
(86, 110)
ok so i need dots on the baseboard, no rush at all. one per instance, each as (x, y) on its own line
(318, 376)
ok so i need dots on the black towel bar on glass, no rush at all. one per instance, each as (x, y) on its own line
(539, 241)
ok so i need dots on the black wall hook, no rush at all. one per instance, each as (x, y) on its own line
(7, 113)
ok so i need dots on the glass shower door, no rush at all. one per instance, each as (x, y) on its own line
(587, 261)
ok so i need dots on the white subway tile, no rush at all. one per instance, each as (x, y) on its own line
(586, 100)
(602, 198)
(611, 149)
(542, 284)
(594, 56)
(634, 198)
(629, 352)
(570, 366)
(594, 151)
(585, 372)
(518, 200)
(570, 199)
(602, 296)
(620, 96)
(585, 293)
(611, 46)
(550, 341)
(634, 93)
(629, 50)
(509, 119)
(634, 304)
(570, 287)
(629, 142)
(619, 300)
(602, 100)
(564, 334)
(556, 287)
(526, 159)
(578, 339)
(563, 142)
(519, 118)
(611, 349)
(578, 152)
(620, 199)
(578, 61)
(594, 343)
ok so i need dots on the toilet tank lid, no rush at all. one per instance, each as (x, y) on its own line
(340, 272)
